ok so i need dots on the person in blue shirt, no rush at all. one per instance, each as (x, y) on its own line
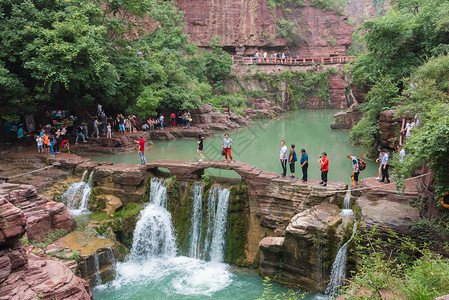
(304, 164)
(8, 129)
(384, 165)
(20, 133)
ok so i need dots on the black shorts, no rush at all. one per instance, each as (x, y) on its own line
(356, 176)
(292, 167)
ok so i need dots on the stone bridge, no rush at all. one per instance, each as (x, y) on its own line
(277, 199)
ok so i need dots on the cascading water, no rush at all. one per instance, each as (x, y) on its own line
(97, 268)
(218, 238)
(347, 210)
(211, 210)
(153, 235)
(217, 212)
(195, 231)
(338, 273)
(77, 195)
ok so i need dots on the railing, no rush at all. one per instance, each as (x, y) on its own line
(294, 61)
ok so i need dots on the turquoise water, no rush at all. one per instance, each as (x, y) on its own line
(185, 278)
(259, 144)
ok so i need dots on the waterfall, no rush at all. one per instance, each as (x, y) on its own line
(153, 235)
(77, 195)
(217, 213)
(111, 257)
(218, 238)
(97, 269)
(195, 231)
(211, 207)
(347, 210)
(338, 273)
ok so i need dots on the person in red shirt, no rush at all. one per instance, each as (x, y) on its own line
(324, 161)
(142, 151)
(173, 120)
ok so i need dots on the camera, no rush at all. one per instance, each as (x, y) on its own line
(320, 156)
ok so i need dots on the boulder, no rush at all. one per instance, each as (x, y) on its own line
(13, 223)
(306, 254)
(347, 119)
(112, 203)
(24, 275)
(43, 217)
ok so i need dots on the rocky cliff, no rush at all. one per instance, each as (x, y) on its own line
(23, 274)
(250, 25)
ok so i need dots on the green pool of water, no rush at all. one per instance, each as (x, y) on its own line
(259, 144)
(185, 278)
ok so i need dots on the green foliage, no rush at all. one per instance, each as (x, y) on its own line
(382, 96)
(337, 5)
(300, 85)
(75, 52)
(269, 293)
(75, 255)
(397, 265)
(399, 41)
(50, 239)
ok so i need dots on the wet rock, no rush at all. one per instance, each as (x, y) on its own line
(97, 256)
(306, 254)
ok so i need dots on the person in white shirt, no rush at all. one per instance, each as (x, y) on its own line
(401, 152)
(283, 158)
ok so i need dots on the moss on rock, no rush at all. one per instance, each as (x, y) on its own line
(237, 231)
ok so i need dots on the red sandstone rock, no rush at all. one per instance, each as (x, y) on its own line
(347, 119)
(13, 222)
(43, 217)
(42, 279)
(24, 275)
(248, 26)
(389, 128)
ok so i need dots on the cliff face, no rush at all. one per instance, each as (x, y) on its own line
(360, 10)
(249, 25)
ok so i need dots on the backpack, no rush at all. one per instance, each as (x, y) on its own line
(294, 157)
(362, 164)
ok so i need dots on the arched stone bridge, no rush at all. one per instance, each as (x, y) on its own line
(277, 199)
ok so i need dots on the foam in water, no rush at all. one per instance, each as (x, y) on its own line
(347, 210)
(77, 195)
(154, 235)
(338, 273)
(195, 231)
(153, 258)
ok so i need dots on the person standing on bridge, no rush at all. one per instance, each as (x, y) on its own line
(200, 147)
(304, 164)
(227, 143)
(324, 161)
(283, 158)
(385, 164)
(142, 151)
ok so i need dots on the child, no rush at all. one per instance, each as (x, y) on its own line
(109, 135)
(65, 144)
(40, 145)
(46, 142)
